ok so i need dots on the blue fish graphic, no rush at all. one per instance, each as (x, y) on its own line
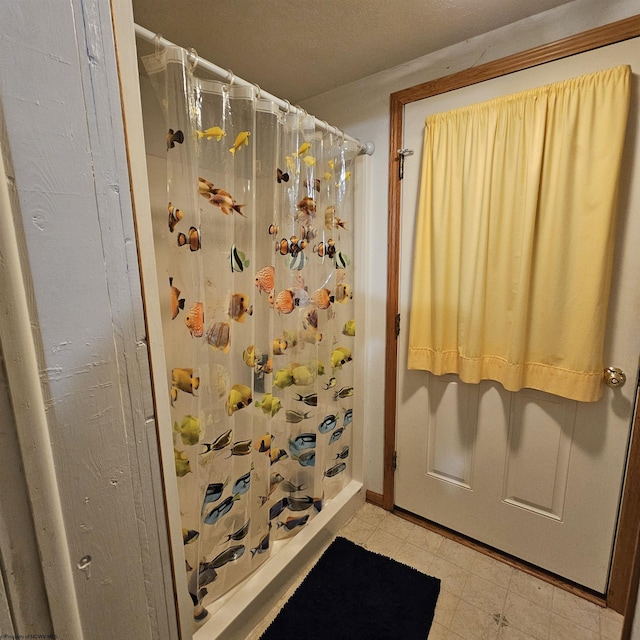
(263, 545)
(343, 454)
(335, 470)
(292, 523)
(328, 423)
(240, 533)
(241, 485)
(336, 435)
(223, 508)
(228, 555)
(277, 508)
(213, 492)
(199, 579)
(300, 504)
(306, 458)
(303, 441)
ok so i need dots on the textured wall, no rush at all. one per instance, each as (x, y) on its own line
(60, 97)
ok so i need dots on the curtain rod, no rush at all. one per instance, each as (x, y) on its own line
(153, 38)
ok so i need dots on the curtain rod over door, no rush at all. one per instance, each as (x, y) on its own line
(153, 38)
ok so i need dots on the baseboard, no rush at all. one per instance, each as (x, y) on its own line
(374, 498)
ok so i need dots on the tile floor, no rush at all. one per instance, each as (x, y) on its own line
(480, 598)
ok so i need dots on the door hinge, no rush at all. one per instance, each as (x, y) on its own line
(394, 462)
(402, 153)
(397, 324)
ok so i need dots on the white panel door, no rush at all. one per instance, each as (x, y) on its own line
(529, 473)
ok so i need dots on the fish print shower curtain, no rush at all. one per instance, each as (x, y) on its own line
(258, 319)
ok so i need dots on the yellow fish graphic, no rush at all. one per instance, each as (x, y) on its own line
(211, 132)
(241, 138)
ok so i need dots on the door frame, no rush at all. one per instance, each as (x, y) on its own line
(622, 569)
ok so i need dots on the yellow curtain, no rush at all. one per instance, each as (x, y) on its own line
(514, 236)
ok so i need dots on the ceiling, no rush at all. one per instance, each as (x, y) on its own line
(297, 49)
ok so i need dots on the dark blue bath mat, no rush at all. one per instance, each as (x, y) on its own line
(355, 594)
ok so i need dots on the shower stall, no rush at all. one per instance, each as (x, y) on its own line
(249, 214)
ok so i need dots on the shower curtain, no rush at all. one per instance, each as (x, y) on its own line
(258, 320)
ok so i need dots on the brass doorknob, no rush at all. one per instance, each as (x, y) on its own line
(614, 377)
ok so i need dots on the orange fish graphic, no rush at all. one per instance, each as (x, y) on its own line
(175, 215)
(177, 302)
(322, 298)
(193, 240)
(265, 279)
(285, 301)
(195, 320)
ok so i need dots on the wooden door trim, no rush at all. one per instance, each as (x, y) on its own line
(625, 570)
(622, 569)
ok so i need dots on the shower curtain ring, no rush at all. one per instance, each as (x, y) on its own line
(288, 106)
(233, 77)
(156, 40)
(194, 54)
(258, 90)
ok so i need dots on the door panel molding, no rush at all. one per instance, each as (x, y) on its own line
(620, 585)
(450, 459)
(545, 458)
